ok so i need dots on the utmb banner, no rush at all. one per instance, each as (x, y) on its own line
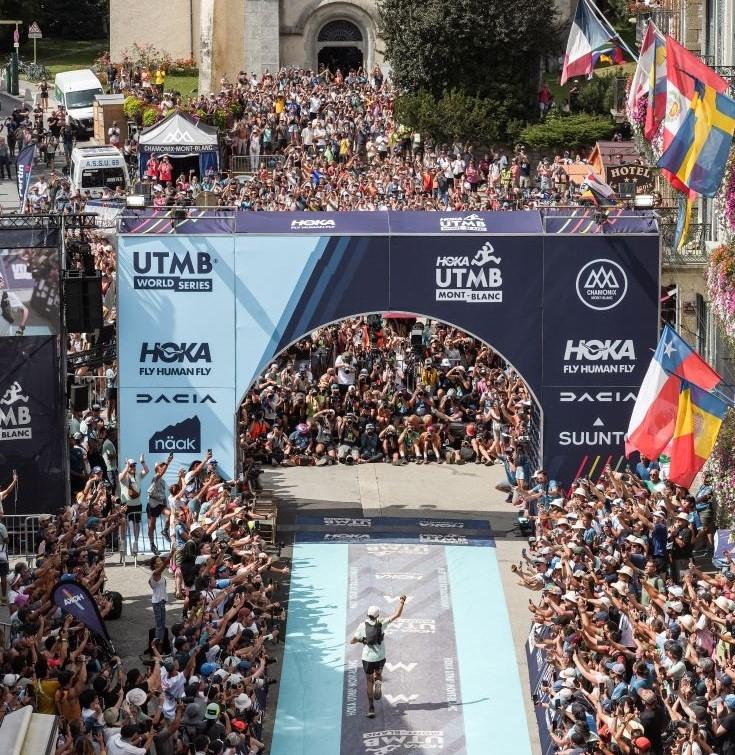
(202, 312)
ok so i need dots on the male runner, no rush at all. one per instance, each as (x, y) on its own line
(371, 634)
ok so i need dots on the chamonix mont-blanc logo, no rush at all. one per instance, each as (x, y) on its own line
(601, 284)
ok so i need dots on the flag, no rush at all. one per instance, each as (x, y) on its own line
(683, 68)
(656, 88)
(73, 598)
(588, 41)
(641, 78)
(653, 420)
(697, 156)
(23, 170)
(596, 190)
(698, 421)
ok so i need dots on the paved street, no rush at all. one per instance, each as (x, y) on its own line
(366, 490)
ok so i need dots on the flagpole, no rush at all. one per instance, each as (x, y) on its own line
(603, 20)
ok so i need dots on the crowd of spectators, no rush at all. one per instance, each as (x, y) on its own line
(396, 390)
(639, 637)
(202, 685)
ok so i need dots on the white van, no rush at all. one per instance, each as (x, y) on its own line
(76, 90)
(96, 168)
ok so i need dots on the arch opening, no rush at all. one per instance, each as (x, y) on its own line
(340, 46)
(468, 404)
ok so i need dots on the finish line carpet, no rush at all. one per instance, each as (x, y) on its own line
(451, 684)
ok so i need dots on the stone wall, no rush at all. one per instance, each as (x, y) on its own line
(165, 25)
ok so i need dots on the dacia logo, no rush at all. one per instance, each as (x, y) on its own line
(171, 353)
(176, 398)
(594, 350)
(597, 397)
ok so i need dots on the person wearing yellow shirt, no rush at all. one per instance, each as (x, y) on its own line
(159, 79)
(280, 104)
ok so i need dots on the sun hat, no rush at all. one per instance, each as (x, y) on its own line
(626, 570)
(192, 714)
(136, 696)
(373, 612)
(243, 702)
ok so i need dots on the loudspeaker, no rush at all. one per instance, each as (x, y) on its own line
(79, 398)
(83, 303)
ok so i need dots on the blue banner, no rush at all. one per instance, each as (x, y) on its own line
(23, 170)
(75, 599)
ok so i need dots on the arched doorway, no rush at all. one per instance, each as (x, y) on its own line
(340, 45)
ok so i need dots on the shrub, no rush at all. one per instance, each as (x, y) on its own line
(557, 133)
(132, 107)
(596, 95)
(150, 116)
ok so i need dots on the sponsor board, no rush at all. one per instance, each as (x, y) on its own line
(313, 225)
(330, 521)
(174, 398)
(598, 436)
(596, 397)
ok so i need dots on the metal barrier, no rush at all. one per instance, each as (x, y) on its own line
(23, 531)
(6, 634)
(253, 163)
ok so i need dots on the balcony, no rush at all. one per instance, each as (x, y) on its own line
(694, 251)
(665, 19)
(727, 73)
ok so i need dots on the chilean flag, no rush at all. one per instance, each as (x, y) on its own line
(588, 42)
(653, 421)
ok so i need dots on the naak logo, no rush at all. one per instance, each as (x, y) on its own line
(601, 284)
(599, 436)
(596, 397)
(183, 437)
(312, 225)
(476, 279)
(472, 223)
(15, 415)
(173, 272)
(613, 356)
(171, 353)
(173, 398)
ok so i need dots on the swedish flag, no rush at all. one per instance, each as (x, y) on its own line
(698, 154)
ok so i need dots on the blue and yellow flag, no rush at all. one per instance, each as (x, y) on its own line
(697, 156)
(698, 421)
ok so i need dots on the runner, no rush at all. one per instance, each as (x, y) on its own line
(371, 634)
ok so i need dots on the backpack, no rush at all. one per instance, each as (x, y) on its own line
(374, 634)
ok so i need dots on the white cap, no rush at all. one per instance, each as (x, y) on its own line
(373, 612)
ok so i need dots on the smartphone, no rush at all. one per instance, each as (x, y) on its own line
(209, 450)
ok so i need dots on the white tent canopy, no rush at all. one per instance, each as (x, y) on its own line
(178, 133)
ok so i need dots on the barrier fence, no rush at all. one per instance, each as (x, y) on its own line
(540, 674)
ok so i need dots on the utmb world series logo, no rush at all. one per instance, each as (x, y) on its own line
(476, 279)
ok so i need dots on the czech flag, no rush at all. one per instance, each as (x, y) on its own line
(654, 414)
(698, 421)
(588, 42)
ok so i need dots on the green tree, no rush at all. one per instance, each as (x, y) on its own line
(467, 50)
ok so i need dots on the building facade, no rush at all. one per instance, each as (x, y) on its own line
(228, 36)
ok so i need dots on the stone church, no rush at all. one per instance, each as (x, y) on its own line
(227, 36)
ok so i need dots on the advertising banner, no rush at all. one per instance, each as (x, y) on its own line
(177, 347)
(600, 325)
(540, 671)
(23, 170)
(202, 315)
(490, 286)
(75, 599)
(29, 281)
(32, 433)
